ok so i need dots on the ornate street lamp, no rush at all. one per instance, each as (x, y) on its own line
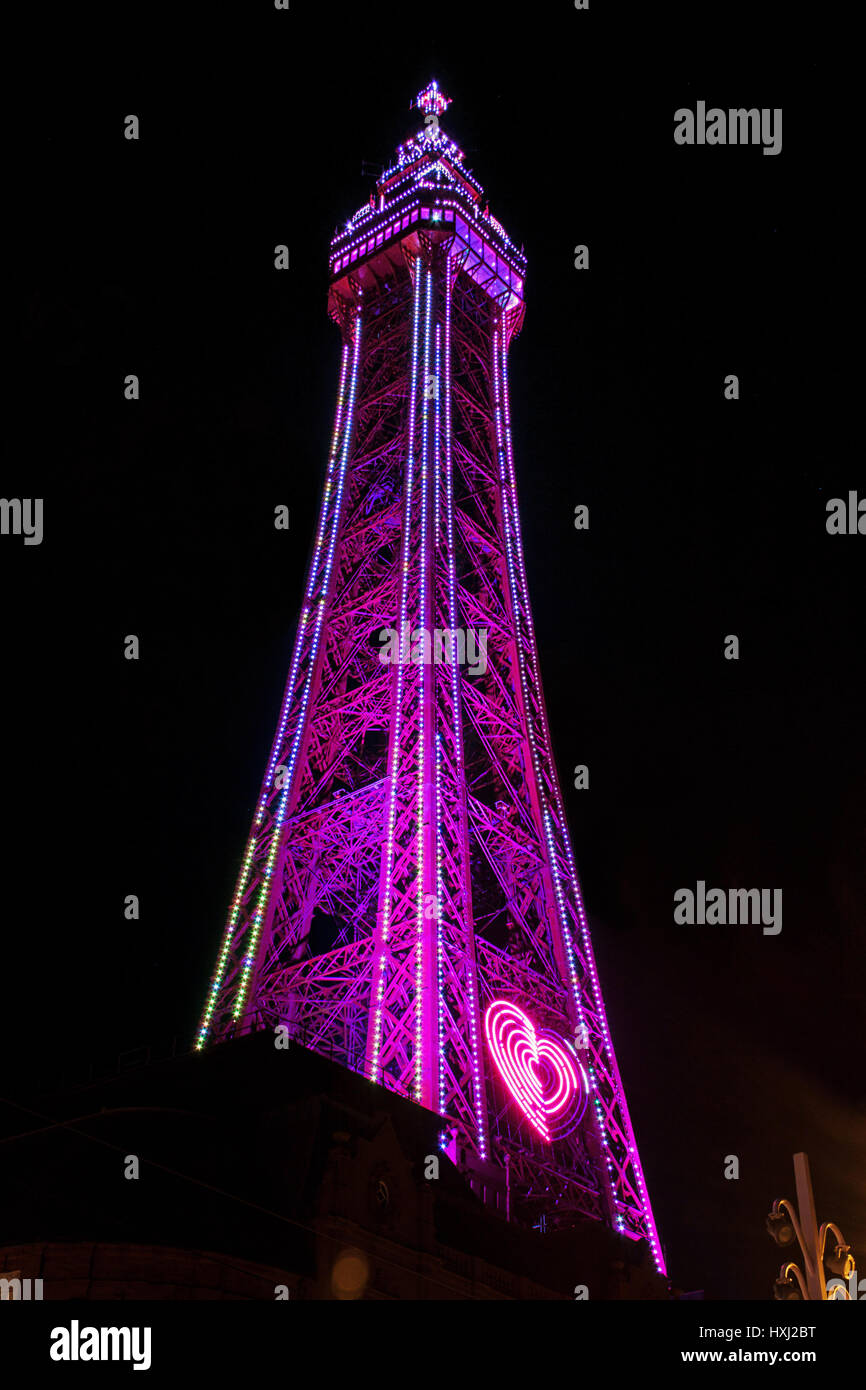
(787, 1223)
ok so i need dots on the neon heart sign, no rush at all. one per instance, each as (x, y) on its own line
(538, 1067)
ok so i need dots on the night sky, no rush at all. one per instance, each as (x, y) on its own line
(707, 517)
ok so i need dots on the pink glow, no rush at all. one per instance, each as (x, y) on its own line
(539, 1069)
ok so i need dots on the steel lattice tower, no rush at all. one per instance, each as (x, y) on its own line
(410, 808)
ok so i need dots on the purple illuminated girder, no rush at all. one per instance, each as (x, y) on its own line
(394, 786)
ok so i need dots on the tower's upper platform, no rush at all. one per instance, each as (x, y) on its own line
(428, 190)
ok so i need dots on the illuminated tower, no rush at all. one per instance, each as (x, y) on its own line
(408, 902)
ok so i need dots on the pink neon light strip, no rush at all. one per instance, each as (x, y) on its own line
(264, 891)
(228, 935)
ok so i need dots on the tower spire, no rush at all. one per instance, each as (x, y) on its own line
(431, 99)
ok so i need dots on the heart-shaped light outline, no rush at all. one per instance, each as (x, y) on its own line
(517, 1049)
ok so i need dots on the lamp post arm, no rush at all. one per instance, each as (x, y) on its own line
(791, 1268)
(822, 1236)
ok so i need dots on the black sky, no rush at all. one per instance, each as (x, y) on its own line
(707, 518)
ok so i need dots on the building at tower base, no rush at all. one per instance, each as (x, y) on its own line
(266, 1174)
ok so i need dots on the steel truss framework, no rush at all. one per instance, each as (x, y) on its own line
(409, 859)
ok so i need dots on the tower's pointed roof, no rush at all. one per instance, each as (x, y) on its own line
(428, 189)
(429, 158)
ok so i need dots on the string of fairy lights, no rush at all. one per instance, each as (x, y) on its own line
(340, 443)
(500, 388)
(512, 543)
(249, 853)
(259, 914)
(501, 353)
